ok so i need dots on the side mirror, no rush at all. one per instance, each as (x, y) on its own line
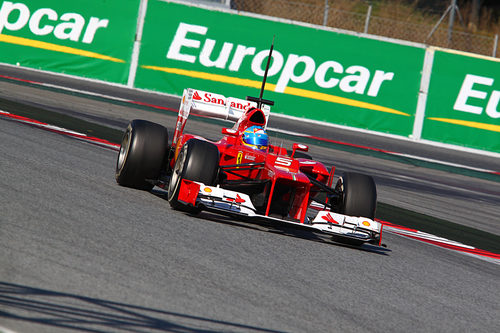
(228, 131)
(300, 147)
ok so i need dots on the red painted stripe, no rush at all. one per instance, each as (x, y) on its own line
(20, 118)
(455, 247)
(349, 144)
(154, 106)
(18, 79)
(42, 125)
(86, 138)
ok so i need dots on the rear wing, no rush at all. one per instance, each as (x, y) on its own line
(211, 105)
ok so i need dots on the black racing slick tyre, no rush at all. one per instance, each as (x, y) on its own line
(197, 161)
(359, 195)
(143, 154)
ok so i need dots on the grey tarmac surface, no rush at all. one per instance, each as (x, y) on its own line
(80, 253)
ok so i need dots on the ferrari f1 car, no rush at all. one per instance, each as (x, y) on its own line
(252, 179)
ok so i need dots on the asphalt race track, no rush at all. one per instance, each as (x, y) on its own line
(80, 253)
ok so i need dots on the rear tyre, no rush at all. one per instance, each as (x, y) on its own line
(197, 161)
(359, 195)
(143, 153)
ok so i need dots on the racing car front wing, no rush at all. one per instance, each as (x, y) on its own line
(217, 199)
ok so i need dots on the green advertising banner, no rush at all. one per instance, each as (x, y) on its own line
(315, 74)
(91, 39)
(463, 101)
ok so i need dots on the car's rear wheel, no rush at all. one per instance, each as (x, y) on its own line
(143, 153)
(197, 161)
(358, 195)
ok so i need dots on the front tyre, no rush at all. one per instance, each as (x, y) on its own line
(197, 161)
(143, 153)
(358, 195)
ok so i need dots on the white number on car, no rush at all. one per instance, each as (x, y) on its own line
(283, 161)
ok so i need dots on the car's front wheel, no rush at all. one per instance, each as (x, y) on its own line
(197, 161)
(358, 195)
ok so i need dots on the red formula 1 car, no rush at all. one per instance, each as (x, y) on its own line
(243, 175)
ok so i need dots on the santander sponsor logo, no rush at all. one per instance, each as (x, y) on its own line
(216, 99)
(239, 104)
(210, 98)
(196, 96)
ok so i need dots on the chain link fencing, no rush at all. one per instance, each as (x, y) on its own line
(359, 18)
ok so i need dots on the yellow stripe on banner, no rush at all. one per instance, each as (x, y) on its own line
(340, 100)
(473, 124)
(54, 47)
(212, 77)
(272, 87)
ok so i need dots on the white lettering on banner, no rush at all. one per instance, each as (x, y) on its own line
(9, 7)
(180, 40)
(240, 53)
(467, 91)
(492, 107)
(70, 30)
(378, 78)
(37, 17)
(207, 51)
(288, 72)
(94, 24)
(360, 81)
(320, 75)
(258, 62)
(296, 68)
(15, 16)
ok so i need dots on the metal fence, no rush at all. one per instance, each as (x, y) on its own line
(324, 12)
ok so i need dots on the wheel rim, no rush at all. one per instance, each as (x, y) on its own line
(339, 187)
(176, 175)
(124, 148)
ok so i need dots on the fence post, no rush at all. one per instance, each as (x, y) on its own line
(418, 123)
(451, 20)
(134, 61)
(325, 13)
(367, 21)
(495, 46)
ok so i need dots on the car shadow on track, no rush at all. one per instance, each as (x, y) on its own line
(287, 230)
(85, 314)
